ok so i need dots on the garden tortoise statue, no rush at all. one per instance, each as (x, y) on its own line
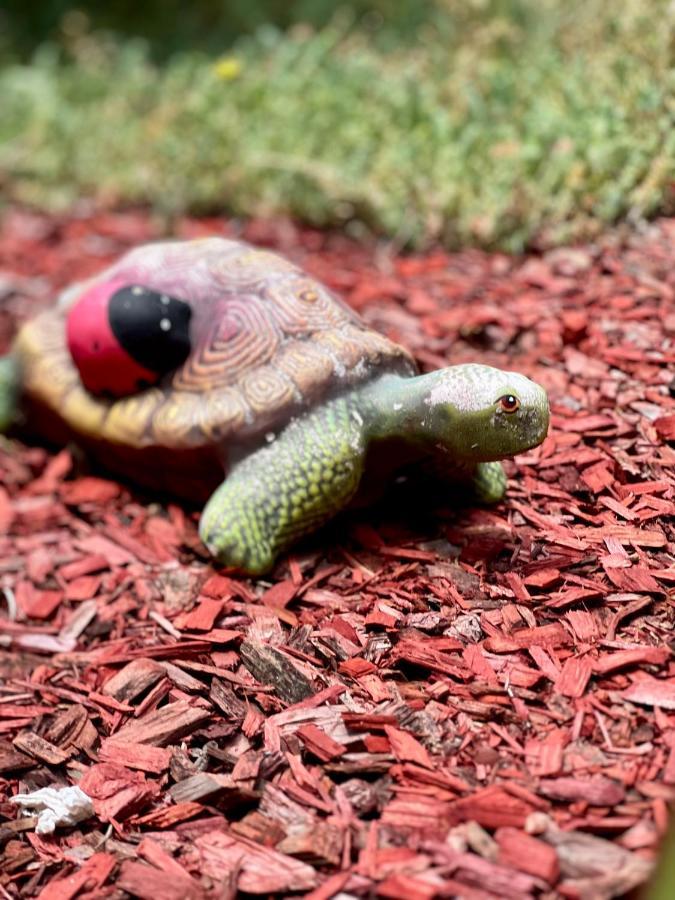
(188, 360)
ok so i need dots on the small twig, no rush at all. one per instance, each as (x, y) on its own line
(10, 599)
(104, 840)
(165, 624)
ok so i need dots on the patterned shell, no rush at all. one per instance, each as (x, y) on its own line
(267, 341)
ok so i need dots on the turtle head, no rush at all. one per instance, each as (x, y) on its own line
(478, 413)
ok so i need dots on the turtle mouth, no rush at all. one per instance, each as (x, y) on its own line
(545, 421)
(520, 437)
(541, 430)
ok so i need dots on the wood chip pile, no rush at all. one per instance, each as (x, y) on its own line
(423, 701)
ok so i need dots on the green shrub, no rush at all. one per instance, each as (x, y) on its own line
(171, 25)
(535, 124)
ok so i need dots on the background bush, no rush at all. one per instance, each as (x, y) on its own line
(170, 25)
(498, 122)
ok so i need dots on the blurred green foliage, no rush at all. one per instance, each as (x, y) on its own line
(171, 25)
(492, 122)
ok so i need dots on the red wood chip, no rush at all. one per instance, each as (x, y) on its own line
(545, 757)
(83, 588)
(6, 511)
(493, 807)
(584, 424)
(85, 566)
(165, 725)
(202, 617)
(407, 748)
(135, 756)
(36, 603)
(644, 487)
(650, 692)
(598, 477)
(92, 875)
(89, 490)
(622, 659)
(221, 588)
(355, 668)
(665, 427)
(522, 851)
(496, 880)
(398, 886)
(542, 578)
(149, 883)
(279, 594)
(553, 635)
(319, 743)
(116, 791)
(597, 791)
(255, 869)
(574, 676)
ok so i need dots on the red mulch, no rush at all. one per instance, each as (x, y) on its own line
(423, 702)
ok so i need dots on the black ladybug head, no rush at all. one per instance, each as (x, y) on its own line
(152, 327)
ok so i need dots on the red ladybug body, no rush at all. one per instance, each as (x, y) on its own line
(123, 338)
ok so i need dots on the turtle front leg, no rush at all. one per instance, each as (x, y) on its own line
(489, 482)
(484, 481)
(286, 489)
(9, 390)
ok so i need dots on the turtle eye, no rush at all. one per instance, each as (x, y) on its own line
(509, 403)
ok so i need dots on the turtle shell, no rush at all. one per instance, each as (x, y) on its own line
(267, 342)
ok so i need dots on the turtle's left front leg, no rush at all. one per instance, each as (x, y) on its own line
(286, 489)
(484, 481)
(9, 390)
(489, 481)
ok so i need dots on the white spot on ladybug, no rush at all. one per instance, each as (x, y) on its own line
(164, 300)
(270, 436)
(165, 324)
(136, 289)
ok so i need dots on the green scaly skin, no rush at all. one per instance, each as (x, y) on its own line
(489, 482)
(313, 468)
(9, 391)
(286, 489)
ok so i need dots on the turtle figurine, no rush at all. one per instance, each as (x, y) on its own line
(189, 362)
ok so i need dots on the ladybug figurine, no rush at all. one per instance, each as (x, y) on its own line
(124, 337)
